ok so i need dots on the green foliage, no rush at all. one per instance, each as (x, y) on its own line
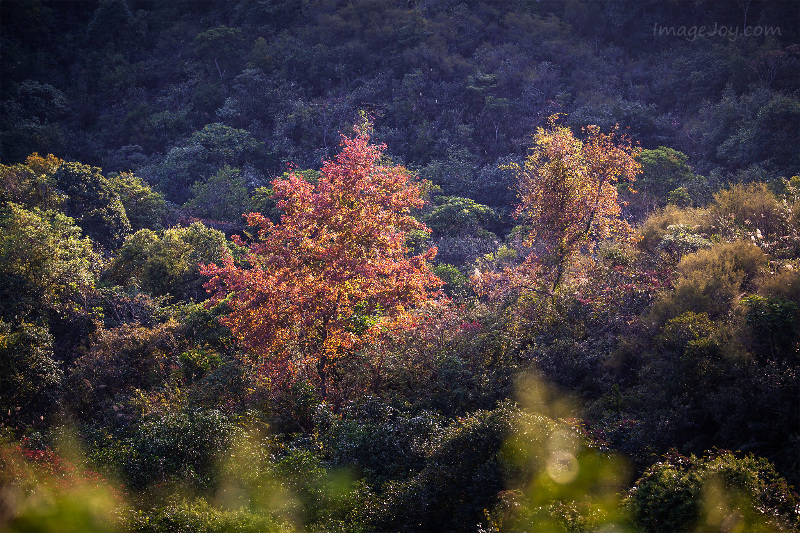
(200, 157)
(167, 263)
(663, 170)
(31, 120)
(375, 440)
(199, 516)
(454, 173)
(453, 215)
(679, 197)
(711, 492)
(45, 265)
(463, 472)
(175, 446)
(263, 201)
(774, 325)
(31, 184)
(223, 144)
(93, 203)
(223, 196)
(30, 378)
(144, 207)
(783, 285)
(690, 335)
(456, 284)
(668, 222)
(763, 134)
(682, 239)
(220, 46)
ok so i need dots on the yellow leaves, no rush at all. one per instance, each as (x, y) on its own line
(568, 195)
(43, 165)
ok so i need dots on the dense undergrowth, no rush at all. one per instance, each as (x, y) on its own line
(613, 354)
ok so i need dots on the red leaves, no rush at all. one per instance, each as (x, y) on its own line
(338, 256)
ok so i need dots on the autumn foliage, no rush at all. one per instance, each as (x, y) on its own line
(568, 197)
(335, 272)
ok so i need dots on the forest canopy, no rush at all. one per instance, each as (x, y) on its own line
(384, 265)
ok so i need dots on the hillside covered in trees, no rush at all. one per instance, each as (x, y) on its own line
(399, 265)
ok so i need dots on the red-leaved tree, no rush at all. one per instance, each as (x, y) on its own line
(335, 272)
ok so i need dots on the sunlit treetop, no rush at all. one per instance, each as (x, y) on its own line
(335, 271)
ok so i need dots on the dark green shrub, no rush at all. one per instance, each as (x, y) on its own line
(93, 203)
(457, 285)
(463, 473)
(679, 197)
(30, 378)
(774, 327)
(223, 196)
(376, 440)
(712, 493)
(663, 170)
(186, 446)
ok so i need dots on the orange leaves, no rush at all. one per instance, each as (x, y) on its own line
(568, 195)
(338, 257)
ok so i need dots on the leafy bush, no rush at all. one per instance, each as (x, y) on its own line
(45, 264)
(738, 256)
(774, 327)
(144, 207)
(31, 184)
(453, 215)
(682, 239)
(121, 361)
(456, 284)
(718, 491)
(223, 196)
(745, 209)
(711, 280)
(198, 516)
(679, 197)
(176, 446)
(200, 157)
(30, 379)
(376, 440)
(93, 203)
(167, 263)
(663, 170)
(463, 473)
(656, 226)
